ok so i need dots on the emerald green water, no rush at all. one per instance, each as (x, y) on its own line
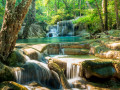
(50, 40)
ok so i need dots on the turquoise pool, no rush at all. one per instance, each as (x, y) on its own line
(50, 40)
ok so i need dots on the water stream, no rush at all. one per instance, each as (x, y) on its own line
(33, 71)
(73, 68)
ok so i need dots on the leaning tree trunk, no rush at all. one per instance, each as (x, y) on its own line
(99, 12)
(117, 16)
(12, 21)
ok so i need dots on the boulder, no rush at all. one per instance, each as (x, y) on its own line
(15, 58)
(60, 72)
(54, 80)
(100, 68)
(35, 31)
(34, 54)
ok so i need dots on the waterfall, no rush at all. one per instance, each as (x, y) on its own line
(31, 71)
(63, 28)
(72, 70)
(52, 31)
(18, 75)
(61, 50)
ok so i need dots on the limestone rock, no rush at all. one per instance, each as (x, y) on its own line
(69, 51)
(35, 31)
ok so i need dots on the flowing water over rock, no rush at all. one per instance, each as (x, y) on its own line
(73, 67)
(33, 71)
(63, 28)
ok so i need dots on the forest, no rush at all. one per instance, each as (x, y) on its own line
(59, 44)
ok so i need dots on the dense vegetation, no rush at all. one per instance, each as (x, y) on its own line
(89, 11)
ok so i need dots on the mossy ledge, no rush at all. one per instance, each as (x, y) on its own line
(10, 85)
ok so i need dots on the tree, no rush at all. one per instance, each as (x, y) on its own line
(13, 18)
(56, 6)
(117, 16)
(106, 15)
(99, 12)
(30, 18)
(66, 4)
(79, 6)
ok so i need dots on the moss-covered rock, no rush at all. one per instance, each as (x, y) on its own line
(101, 68)
(117, 67)
(60, 72)
(6, 73)
(10, 85)
(15, 58)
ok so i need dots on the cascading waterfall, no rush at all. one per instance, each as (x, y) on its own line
(73, 71)
(33, 71)
(63, 28)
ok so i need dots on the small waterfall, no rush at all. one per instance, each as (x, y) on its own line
(52, 31)
(61, 50)
(18, 74)
(69, 66)
(72, 70)
(65, 28)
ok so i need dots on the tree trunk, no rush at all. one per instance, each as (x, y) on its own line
(103, 8)
(99, 12)
(106, 15)
(30, 18)
(79, 6)
(117, 16)
(56, 6)
(74, 8)
(66, 4)
(12, 21)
